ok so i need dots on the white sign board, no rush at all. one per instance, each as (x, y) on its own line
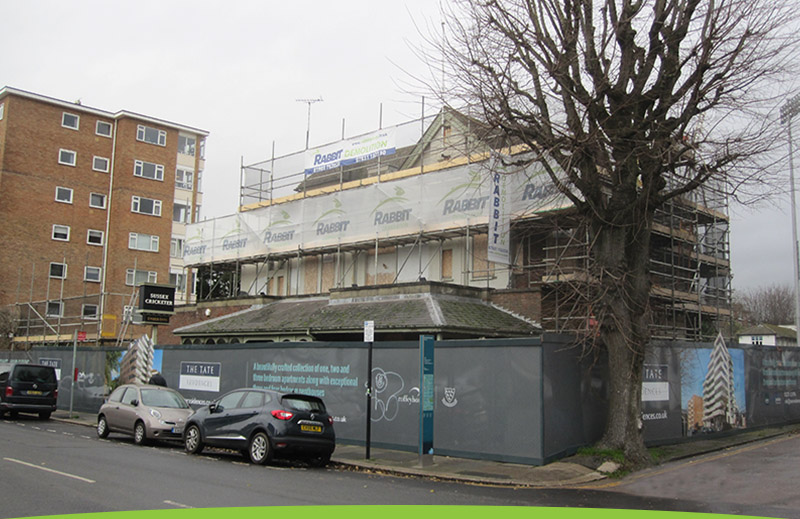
(369, 331)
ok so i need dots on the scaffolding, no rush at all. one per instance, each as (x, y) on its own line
(551, 250)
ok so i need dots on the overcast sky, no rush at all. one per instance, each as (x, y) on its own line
(236, 70)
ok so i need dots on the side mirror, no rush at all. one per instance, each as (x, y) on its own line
(135, 403)
(212, 408)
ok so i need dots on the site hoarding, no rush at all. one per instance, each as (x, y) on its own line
(446, 199)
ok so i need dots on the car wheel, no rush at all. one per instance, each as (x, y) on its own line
(44, 415)
(320, 461)
(13, 414)
(260, 449)
(192, 442)
(139, 434)
(102, 427)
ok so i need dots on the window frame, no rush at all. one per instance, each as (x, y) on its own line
(184, 171)
(74, 162)
(63, 275)
(102, 235)
(141, 135)
(193, 147)
(136, 203)
(101, 170)
(77, 117)
(60, 313)
(152, 276)
(154, 239)
(91, 268)
(53, 233)
(92, 317)
(176, 245)
(68, 190)
(138, 170)
(104, 197)
(110, 129)
(187, 213)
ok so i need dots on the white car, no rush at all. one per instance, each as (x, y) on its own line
(145, 412)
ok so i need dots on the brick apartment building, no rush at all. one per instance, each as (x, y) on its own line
(92, 204)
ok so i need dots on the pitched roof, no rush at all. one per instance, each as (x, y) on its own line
(769, 329)
(426, 311)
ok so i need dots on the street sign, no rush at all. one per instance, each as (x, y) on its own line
(157, 299)
(369, 331)
(154, 318)
(81, 336)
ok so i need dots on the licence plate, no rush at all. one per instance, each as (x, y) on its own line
(33, 392)
(311, 428)
(177, 430)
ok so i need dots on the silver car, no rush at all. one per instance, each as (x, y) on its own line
(145, 412)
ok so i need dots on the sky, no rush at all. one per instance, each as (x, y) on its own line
(238, 69)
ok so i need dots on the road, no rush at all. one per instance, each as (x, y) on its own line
(59, 468)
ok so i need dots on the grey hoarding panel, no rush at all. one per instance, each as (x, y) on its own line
(661, 394)
(773, 385)
(574, 397)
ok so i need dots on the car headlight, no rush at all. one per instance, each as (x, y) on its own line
(154, 413)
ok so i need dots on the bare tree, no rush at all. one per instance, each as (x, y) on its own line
(626, 104)
(8, 316)
(773, 304)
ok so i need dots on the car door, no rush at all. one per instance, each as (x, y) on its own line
(111, 409)
(223, 425)
(127, 409)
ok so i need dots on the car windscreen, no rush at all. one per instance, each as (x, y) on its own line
(160, 398)
(37, 374)
(304, 403)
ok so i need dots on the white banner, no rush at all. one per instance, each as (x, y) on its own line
(446, 199)
(351, 151)
(499, 243)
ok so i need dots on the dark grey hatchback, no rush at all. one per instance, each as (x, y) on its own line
(29, 388)
(263, 425)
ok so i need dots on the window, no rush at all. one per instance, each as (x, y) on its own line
(137, 277)
(89, 311)
(92, 274)
(146, 206)
(183, 178)
(180, 213)
(186, 145)
(100, 164)
(94, 237)
(69, 120)
(146, 242)
(197, 213)
(58, 270)
(97, 200)
(148, 170)
(176, 247)
(178, 279)
(54, 308)
(202, 148)
(67, 157)
(2, 110)
(199, 181)
(151, 135)
(447, 264)
(60, 232)
(103, 128)
(64, 195)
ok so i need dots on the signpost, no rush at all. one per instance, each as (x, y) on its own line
(369, 338)
(426, 401)
(156, 304)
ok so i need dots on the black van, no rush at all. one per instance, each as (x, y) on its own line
(28, 388)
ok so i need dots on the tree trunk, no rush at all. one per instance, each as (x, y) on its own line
(622, 258)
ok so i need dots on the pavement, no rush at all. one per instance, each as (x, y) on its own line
(568, 472)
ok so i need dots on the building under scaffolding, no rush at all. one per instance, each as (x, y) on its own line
(410, 203)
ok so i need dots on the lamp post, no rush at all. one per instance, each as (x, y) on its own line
(788, 111)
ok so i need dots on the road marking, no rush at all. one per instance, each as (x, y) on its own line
(732, 451)
(66, 474)
(179, 505)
